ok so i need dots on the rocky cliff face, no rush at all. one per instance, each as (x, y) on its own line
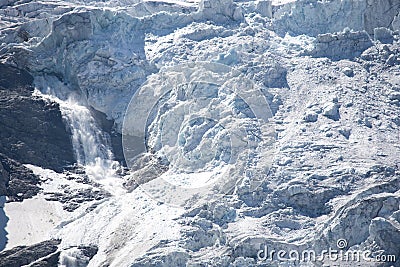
(17, 181)
(31, 129)
(43, 254)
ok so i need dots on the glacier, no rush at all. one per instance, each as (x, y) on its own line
(244, 125)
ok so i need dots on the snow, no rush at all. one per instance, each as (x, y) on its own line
(31, 221)
(126, 228)
(131, 215)
(244, 124)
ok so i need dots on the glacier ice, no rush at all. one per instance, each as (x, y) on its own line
(305, 158)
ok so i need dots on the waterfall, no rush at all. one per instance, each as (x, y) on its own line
(90, 144)
(87, 139)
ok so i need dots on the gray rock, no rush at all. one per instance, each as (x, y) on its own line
(73, 198)
(31, 130)
(16, 181)
(24, 255)
(50, 261)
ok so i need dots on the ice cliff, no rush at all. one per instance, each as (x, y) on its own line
(245, 124)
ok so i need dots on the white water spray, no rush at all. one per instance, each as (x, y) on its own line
(90, 144)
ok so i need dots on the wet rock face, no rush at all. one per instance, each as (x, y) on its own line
(115, 137)
(43, 253)
(31, 130)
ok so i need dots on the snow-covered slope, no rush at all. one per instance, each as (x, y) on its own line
(245, 125)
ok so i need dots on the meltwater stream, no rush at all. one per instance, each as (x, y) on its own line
(90, 144)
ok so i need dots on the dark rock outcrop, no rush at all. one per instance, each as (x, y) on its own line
(23, 255)
(107, 126)
(49, 261)
(73, 198)
(31, 129)
(16, 181)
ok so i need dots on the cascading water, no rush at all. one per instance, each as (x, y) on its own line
(91, 145)
(88, 141)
